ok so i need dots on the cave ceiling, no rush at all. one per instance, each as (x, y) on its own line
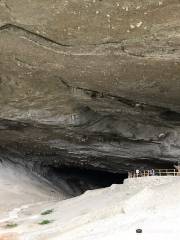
(92, 84)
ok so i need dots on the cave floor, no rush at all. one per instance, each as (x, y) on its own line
(150, 203)
(18, 190)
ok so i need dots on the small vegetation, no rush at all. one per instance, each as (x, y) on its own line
(44, 222)
(11, 225)
(47, 212)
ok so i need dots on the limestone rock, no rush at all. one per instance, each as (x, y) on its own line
(90, 83)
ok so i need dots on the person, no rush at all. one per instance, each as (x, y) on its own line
(151, 172)
(137, 172)
(177, 167)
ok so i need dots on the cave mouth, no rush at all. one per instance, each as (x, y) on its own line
(72, 181)
(75, 181)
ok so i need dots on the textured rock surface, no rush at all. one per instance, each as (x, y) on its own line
(93, 84)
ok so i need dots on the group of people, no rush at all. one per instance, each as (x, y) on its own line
(158, 172)
(150, 172)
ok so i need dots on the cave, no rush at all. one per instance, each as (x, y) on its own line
(72, 180)
(87, 105)
(76, 160)
(78, 180)
(89, 91)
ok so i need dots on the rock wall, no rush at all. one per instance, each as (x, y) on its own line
(93, 84)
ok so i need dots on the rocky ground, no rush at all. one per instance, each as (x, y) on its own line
(19, 188)
(151, 204)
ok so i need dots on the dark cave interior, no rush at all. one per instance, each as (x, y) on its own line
(76, 180)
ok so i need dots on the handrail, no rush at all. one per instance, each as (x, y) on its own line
(155, 172)
(163, 170)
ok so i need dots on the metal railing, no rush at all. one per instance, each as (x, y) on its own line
(155, 172)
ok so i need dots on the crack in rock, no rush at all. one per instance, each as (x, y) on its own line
(126, 101)
(13, 27)
(122, 46)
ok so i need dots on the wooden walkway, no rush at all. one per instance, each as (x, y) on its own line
(157, 172)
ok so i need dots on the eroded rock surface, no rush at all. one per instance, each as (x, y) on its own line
(92, 84)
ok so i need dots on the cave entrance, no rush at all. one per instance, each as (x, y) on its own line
(76, 181)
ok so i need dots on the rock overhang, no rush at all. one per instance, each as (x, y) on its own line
(97, 97)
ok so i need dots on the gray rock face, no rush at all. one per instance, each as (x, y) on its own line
(92, 84)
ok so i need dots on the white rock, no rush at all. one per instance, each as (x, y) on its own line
(125, 8)
(139, 24)
(162, 135)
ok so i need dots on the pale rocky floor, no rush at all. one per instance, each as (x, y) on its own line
(18, 188)
(150, 203)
